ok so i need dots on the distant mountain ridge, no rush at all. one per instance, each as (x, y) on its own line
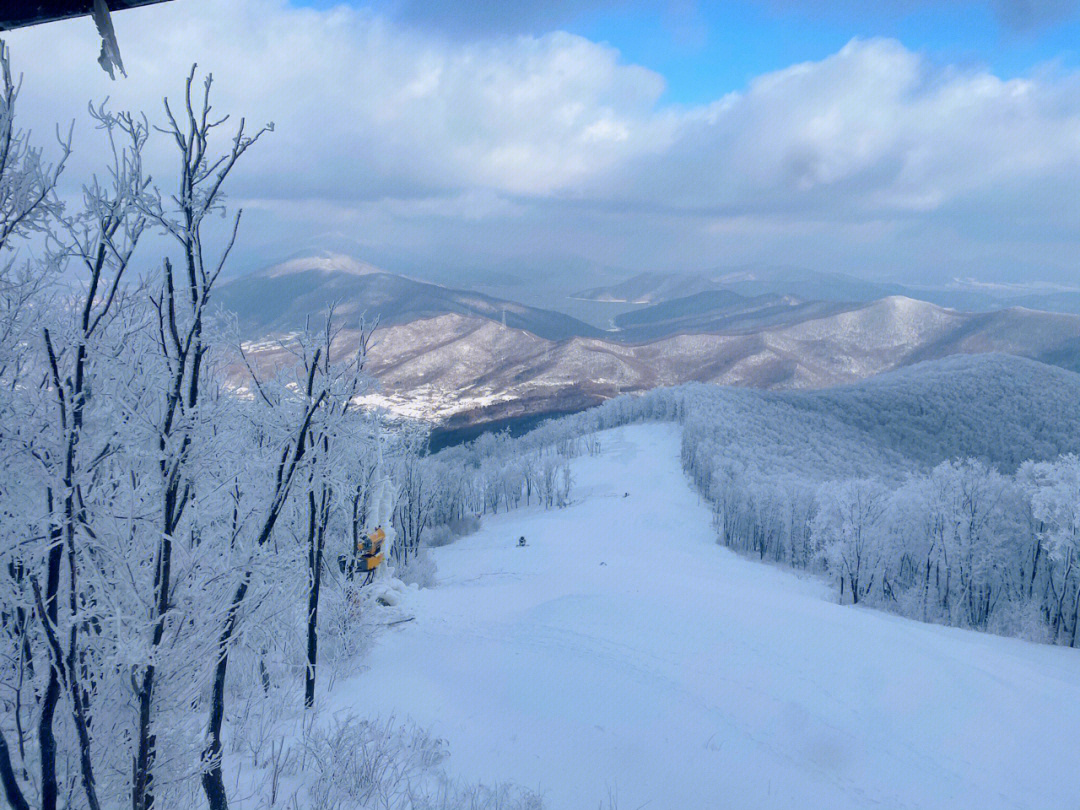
(281, 298)
(651, 288)
(654, 288)
(721, 311)
(447, 354)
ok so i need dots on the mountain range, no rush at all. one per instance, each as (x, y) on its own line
(461, 357)
(753, 280)
(283, 298)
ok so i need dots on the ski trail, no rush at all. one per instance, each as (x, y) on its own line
(623, 650)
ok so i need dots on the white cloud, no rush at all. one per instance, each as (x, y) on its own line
(425, 146)
(872, 128)
(355, 98)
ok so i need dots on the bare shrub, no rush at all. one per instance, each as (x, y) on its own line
(419, 569)
(446, 533)
(355, 763)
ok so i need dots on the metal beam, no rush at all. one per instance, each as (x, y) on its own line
(20, 13)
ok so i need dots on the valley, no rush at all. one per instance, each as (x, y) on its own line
(461, 359)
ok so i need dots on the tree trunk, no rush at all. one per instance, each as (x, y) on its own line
(12, 792)
(316, 538)
(142, 791)
(46, 739)
(1034, 567)
(213, 779)
(1076, 616)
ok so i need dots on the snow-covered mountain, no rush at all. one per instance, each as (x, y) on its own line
(279, 299)
(447, 354)
(749, 280)
(468, 368)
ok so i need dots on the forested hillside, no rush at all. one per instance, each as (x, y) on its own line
(996, 408)
(283, 298)
(947, 491)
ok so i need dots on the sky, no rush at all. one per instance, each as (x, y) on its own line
(905, 140)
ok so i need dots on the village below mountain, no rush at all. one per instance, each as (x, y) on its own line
(464, 359)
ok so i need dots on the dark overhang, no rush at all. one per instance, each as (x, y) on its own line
(19, 13)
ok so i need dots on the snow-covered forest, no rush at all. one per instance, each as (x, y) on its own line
(946, 492)
(181, 578)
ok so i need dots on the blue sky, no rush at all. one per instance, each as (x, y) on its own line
(706, 49)
(711, 49)
(910, 140)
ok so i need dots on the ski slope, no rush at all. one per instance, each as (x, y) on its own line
(624, 652)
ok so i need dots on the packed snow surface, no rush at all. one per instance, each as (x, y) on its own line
(623, 652)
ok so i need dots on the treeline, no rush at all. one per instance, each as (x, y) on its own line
(824, 481)
(962, 544)
(178, 562)
(496, 472)
(889, 516)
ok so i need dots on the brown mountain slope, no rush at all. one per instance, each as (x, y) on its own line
(464, 368)
(458, 356)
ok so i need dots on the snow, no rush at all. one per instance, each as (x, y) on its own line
(623, 651)
(328, 263)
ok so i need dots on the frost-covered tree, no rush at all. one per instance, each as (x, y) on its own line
(1054, 492)
(828, 481)
(848, 531)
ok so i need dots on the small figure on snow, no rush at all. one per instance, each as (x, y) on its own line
(521, 542)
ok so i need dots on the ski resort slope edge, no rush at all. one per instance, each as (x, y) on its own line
(622, 652)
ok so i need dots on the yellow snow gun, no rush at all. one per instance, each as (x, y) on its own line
(370, 550)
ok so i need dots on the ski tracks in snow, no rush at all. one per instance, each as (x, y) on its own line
(623, 649)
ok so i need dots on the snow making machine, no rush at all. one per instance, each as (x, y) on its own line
(369, 550)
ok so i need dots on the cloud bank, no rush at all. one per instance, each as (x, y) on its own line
(427, 151)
